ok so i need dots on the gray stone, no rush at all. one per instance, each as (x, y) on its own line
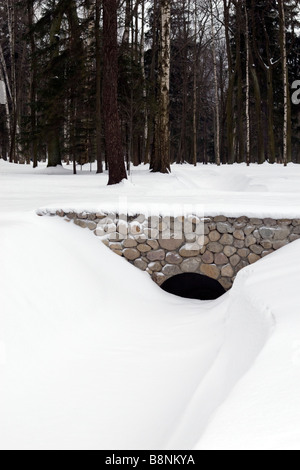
(91, 225)
(296, 222)
(208, 257)
(189, 250)
(281, 233)
(243, 264)
(284, 222)
(191, 238)
(203, 240)
(131, 254)
(99, 232)
(118, 252)
(242, 220)
(140, 264)
(266, 233)
(171, 270)
(212, 226)
(225, 227)
(244, 252)
(158, 255)
(226, 239)
(270, 222)
(190, 265)
(280, 244)
(214, 236)
(252, 258)
(114, 237)
(129, 243)
(80, 223)
(155, 267)
(215, 247)
(82, 215)
(60, 213)
(143, 248)
(256, 249)
(220, 258)
(234, 260)
(159, 278)
(171, 244)
(220, 218)
(174, 258)
(154, 244)
(266, 244)
(230, 250)
(250, 240)
(239, 235)
(210, 270)
(249, 229)
(226, 282)
(115, 246)
(227, 271)
(256, 221)
(239, 243)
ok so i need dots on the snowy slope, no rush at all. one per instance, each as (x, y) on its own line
(93, 355)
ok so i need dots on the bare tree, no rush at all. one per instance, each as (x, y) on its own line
(113, 142)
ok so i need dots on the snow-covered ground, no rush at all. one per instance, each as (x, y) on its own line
(93, 355)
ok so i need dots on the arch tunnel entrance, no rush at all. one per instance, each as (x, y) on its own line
(194, 286)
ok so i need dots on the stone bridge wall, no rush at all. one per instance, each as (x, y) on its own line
(218, 247)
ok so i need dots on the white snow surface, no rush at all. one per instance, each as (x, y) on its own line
(93, 355)
(233, 190)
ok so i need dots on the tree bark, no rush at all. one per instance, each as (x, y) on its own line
(247, 87)
(162, 137)
(113, 143)
(98, 89)
(216, 85)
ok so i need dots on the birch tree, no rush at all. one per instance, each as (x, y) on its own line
(162, 137)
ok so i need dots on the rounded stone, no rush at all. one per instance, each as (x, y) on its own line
(244, 252)
(239, 235)
(270, 222)
(294, 237)
(229, 251)
(155, 267)
(122, 227)
(154, 244)
(227, 271)
(266, 244)
(225, 227)
(191, 238)
(282, 233)
(253, 258)
(203, 240)
(208, 257)
(99, 232)
(220, 218)
(190, 265)
(174, 258)
(140, 264)
(256, 221)
(159, 278)
(234, 260)
(266, 232)
(249, 229)
(226, 282)
(214, 236)
(158, 255)
(226, 239)
(243, 264)
(220, 258)
(91, 225)
(257, 249)
(250, 240)
(118, 252)
(144, 248)
(189, 250)
(171, 270)
(215, 247)
(131, 254)
(129, 243)
(115, 246)
(171, 244)
(296, 230)
(239, 243)
(210, 270)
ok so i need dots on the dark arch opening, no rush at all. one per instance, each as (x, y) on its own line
(194, 286)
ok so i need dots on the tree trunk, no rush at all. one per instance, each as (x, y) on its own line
(113, 143)
(33, 85)
(162, 138)
(98, 89)
(247, 88)
(287, 107)
(217, 105)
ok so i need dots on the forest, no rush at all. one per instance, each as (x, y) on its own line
(126, 82)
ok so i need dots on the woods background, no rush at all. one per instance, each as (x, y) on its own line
(213, 76)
